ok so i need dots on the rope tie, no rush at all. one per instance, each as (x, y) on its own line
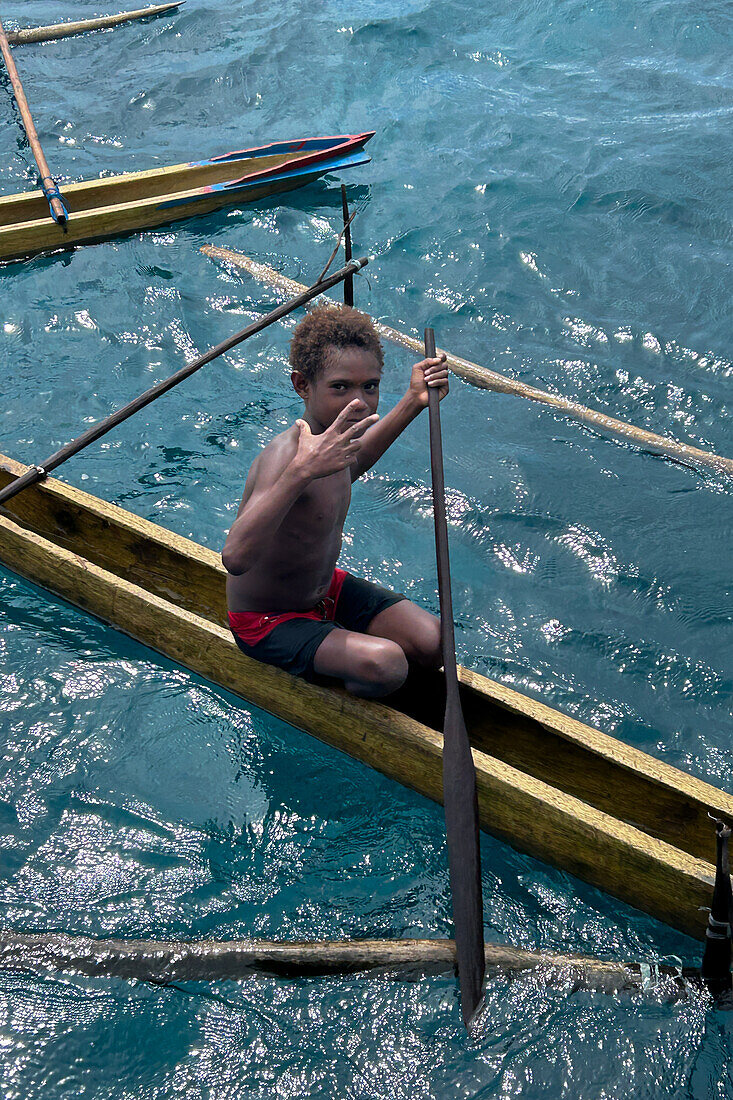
(51, 190)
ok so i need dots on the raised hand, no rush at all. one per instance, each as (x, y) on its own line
(335, 448)
(429, 372)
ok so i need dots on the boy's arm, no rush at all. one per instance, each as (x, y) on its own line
(272, 488)
(375, 441)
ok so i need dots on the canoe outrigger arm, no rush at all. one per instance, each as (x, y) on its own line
(49, 187)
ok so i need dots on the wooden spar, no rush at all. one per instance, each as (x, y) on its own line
(115, 205)
(551, 786)
(237, 960)
(48, 184)
(459, 777)
(38, 473)
(348, 283)
(65, 30)
(485, 379)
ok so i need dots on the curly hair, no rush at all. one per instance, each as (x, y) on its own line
(329, 327)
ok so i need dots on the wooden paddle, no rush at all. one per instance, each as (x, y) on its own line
(459, 777)
(48, 184)
(38, 473)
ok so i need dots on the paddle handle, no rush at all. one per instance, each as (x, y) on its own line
(447, 631)
(57, 207)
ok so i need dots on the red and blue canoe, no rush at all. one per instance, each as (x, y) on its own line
(103, 208)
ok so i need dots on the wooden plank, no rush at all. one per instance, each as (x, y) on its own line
(54, 31)
(525, 733)
(485, 379)
(167, 564)
(547, 823)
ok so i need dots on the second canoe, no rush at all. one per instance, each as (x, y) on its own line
(103, 208)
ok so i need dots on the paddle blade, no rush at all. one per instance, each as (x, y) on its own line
(462, 832)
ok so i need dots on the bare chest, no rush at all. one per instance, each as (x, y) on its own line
(325, 503)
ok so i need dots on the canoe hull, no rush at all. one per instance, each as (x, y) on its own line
(117, 205)
(56, 532)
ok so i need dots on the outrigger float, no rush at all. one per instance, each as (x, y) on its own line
(27, 36)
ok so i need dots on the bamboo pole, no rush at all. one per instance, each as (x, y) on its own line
(401, 960)
(48, 184)
(485, 379)
(65, 30)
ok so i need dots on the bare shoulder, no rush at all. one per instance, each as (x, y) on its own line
(271, 461)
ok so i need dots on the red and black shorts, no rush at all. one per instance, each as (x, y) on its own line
(290, 640)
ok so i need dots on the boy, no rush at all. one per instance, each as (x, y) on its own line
(288, 603)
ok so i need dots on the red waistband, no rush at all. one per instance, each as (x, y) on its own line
(252, 626)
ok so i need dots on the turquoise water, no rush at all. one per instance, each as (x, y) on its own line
(550, 190)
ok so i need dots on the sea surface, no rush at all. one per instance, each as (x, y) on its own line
(549, 189)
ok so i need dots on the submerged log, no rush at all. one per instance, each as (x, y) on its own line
(486, 379)
(167, 961)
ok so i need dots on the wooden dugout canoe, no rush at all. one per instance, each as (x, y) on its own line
(563, 792)
(104, 208)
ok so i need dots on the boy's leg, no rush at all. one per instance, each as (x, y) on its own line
(415, 631)
(314, 648)
(369, 666)
(367, 608)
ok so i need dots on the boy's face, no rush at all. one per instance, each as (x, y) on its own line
(350, 374)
